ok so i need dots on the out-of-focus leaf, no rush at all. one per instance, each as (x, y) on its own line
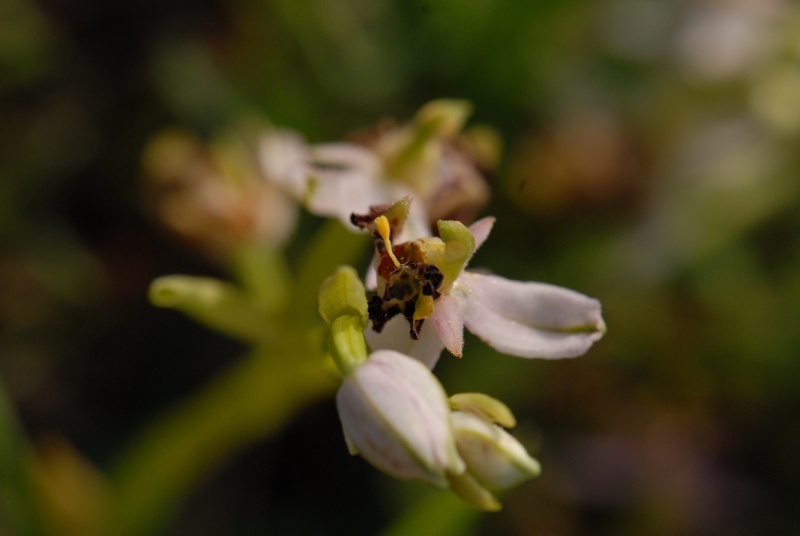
(19, 513)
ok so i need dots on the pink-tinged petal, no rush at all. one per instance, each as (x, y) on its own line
(395, 336)
(481, 229)
(448, 322)
(395, 413)
(529, 319)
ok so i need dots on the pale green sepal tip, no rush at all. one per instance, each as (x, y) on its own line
(398, 214)
(484, 406)
(472, 492)
(443, 117)
(349, 348)
(343, 294)
(459, 246)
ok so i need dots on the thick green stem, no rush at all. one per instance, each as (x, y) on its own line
(251, 402)
(435, 513)
(264, 276)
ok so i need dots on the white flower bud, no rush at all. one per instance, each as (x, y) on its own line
(395, 413)
(494, 458)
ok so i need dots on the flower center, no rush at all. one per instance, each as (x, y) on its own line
(407, 283)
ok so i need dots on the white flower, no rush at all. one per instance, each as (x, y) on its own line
(395, 413)
(524, 319)
(427, 159)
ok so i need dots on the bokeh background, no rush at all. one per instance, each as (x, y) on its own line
(651, 159)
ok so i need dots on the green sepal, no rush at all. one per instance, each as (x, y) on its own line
(442, 118)
(398, 214)
(343, 294)
(472, 492)
(347, 344)
(437, 120)
(459, 247)
(484, 406)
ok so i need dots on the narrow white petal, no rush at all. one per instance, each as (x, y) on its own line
(448, 322)
(528, 319)
(481, 229)
(395, 336)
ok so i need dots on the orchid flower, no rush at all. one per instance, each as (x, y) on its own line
(428, 159)
(425, 280)
(394, 412)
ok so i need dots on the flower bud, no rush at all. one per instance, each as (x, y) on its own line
(395, 413)
(494, 458)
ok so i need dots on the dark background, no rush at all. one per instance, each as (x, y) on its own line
(651, 161)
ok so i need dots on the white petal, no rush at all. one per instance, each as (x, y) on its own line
(283, 156)
(395, 412)
(341, 193)
(395, 336)
(346, 155)
(528, 319)
(448, 322)
(481, 229)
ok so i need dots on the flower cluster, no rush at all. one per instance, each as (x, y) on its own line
(394, 411)
(415, 189)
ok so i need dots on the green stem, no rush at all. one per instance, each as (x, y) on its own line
(435, 513)
(264, 277)
(249, 403)
(19, 513)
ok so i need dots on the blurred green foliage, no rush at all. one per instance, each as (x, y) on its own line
(651, 161)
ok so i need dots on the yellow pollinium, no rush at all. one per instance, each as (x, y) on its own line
(382, 225)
